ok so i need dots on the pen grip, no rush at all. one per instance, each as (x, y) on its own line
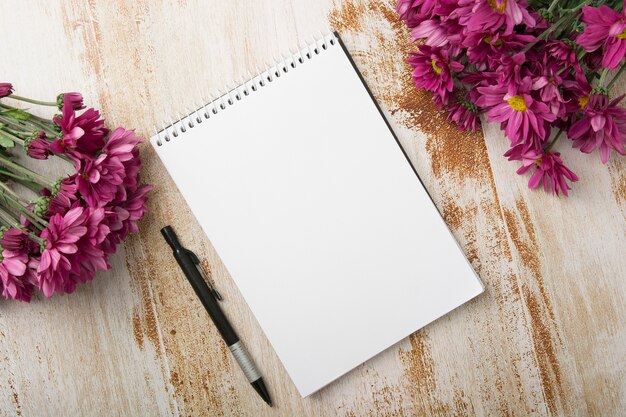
(206, 297)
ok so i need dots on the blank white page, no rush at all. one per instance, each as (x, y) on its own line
(319, 217)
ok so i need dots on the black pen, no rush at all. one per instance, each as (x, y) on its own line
(189, 263)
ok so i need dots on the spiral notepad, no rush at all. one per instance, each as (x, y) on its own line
(316, 212)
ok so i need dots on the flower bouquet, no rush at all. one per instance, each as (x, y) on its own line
(543, 69)
(58, 232)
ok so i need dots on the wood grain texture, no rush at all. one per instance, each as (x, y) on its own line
(548, 338)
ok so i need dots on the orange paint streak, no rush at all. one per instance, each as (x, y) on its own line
(545, 336)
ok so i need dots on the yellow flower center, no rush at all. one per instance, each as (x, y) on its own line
(582, 102)
(517, 103)
(622, 35)
(437, 69)
(538, 162)
(497, 5)
(489, 38)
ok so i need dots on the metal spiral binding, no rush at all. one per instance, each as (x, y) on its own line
(280, 67)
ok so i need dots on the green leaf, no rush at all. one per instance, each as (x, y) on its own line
(6, 142)
(17, 114)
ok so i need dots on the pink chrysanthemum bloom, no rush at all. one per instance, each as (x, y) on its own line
(6, 89)
(602, 127)
(484, 46)
(90, 258)
(82, 133)
(576, 94)
(549, 92)
(465, 115)
(549, 169)
(443, 28)
(136, 207)
(98, 179)
(61, 236)
(17, 280)
(562, 52)
(432, 70)
(606, 28)
(75, 99)
(38, 147)
(524, 119)
(511, 69)
(63, 196)
(413, 12)
(16, 240)
(493, 15)
(122, 144)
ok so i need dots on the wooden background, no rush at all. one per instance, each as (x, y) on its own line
(547, 338)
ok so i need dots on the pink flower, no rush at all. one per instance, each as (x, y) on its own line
(606, 28)
(562, 52)
(83, 134)
(550, 94)
(61, 236)
(38, 147)
(549, 169)
(74, 99)
(413, 12)
(97, 230)
(493, 15)
(136, 207)
(576, 94)
(602, 127)
(465, 115)
(524, 119)
(509, 68)
(90, 257)
(17, 280)
(122, 144)
(443, 28)
(63, 196)
(16, 240)
(432, 70)
(484, 46)
(98, 179)
(6, 89)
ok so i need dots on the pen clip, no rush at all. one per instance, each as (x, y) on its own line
(207, 278)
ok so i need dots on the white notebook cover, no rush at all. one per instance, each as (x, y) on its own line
(318, 216)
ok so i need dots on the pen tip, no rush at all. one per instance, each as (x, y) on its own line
(260, 387)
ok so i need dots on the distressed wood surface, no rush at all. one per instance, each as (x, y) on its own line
(547, 338)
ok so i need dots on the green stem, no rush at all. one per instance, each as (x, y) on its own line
(22, 180)
(547, 32)
(64, 157)
(621, 69)
(580, 6)
(16, 132)
(10, 220)
(12, 122)
(11, 137)
(27, 173)
(15, 195)
(603, 77)
(37, 125)
(553, 142)
(33, 101)
(7, 194)
(553, 6)
(43, 120)
(38, 122)
(17, 137)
